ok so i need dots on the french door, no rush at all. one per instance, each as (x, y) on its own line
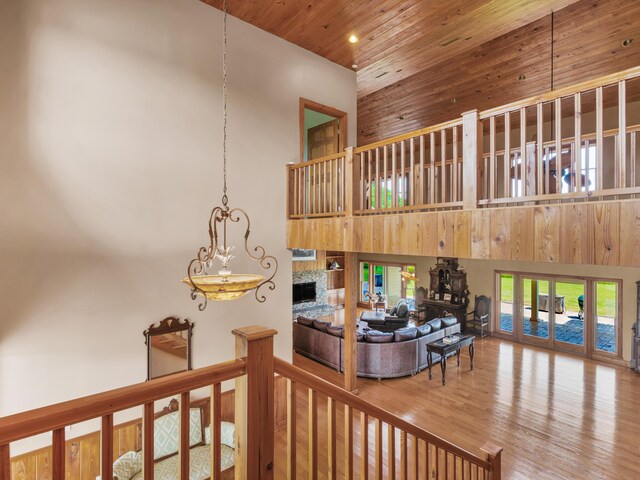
(564, 313)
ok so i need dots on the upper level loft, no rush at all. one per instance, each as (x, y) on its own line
(552, 178)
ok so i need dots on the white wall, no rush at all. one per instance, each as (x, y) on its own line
(110, 160)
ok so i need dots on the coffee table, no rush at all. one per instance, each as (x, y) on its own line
(445, 349)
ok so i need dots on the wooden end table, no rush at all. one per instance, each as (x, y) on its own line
(444, 349)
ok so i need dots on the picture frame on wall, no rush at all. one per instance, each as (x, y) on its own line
(302, 255)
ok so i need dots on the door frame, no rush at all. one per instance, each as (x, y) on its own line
(589, 350)
(334, 112)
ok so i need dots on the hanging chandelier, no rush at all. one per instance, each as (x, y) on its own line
(226, 285)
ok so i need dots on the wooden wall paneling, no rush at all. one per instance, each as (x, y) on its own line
(24, 468)
(500, 245)
(445, 234)
(378, 234)
(480, 233)
(43, 464)
(429, 237)
(522, 224)
(90, 457)
(630, 233)
(576, 239)
(606, 220)
(546, 233)
(392, 234)
(414, 237)
(362, 230)
(462, 233)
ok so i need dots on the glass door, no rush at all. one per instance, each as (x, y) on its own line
(606, 318)
(568, 319)
(506, 307)
(534, 310)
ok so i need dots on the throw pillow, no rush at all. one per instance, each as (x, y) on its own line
(321, 325)
(393, 311)
(374, 336)
(403, 310)
(403, 334)
(436, 324)
(424, 330)
(127, 465)
(448, 321)
(227, 434)
(307, 322)
(335, 330)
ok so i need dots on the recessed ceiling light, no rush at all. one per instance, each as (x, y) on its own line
(627, 41)
(353, 39)
(355, 65)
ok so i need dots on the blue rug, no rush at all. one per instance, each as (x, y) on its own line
(571, 332)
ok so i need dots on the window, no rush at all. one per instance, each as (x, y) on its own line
(386, 279)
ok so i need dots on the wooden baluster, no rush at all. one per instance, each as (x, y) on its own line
(523, 153)
(494, 457)
(325, 184)
(632, 160)
(343, 180)
(492, 158)
(599, 140)
(421, 199)
(368, 203)
(507, 155)
(403, 455)
(215, 419)
(443, 171)
(378, 452)
(291, 429)
(378, 184)
(402, 176)
(622, 133)
(412, 184)
(391, 452)
(58, 455)
(437, 461)
(106, 446)
(254, 404)
(364, 446)
(313, 435)
(446, 464)
(305, 205)
(572, 174)
(394, 181)
(587, 161)
(183, 450)
(385, 174)
(578, 140)
(290, 189)
(147, 441)
(331, 439)
(5, 462)
(427, 462)
(416, 460)
(540, 170)
(547, 171)
(454, 193)
(558, 135)
(471, 158)
(432, 173)
(348, 442)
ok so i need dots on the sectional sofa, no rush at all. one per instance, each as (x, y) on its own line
(379, 354)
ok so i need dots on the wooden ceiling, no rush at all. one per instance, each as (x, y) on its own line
(424, 62)
(398, 38)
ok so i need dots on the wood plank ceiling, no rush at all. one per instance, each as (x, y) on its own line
(414, 57)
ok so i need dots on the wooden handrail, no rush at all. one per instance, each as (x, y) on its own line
(315, 383)
(54, 417)
(563, 92)
(408, 135)
(308, 163)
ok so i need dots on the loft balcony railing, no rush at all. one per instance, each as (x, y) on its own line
(308, 450)
(576, 143)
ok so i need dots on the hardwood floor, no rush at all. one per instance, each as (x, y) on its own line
(557, 416)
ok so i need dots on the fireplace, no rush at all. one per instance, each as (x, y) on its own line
(304, 292)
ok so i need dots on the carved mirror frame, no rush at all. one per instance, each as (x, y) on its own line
(168, 325)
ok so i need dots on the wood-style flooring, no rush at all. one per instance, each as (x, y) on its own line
(556, 415)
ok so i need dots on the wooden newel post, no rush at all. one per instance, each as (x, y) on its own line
(494, 457)
(254, 412)
(471, 158)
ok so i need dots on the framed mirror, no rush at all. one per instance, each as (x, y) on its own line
(168, 347)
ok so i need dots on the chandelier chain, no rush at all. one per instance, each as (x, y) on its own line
(224, 102)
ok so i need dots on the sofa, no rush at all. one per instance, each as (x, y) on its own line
(379, 354)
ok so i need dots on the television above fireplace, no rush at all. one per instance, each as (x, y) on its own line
(304, 292)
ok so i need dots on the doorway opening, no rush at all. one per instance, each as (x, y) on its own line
(323, 130)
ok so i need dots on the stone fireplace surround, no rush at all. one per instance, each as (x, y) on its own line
(320, 307)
